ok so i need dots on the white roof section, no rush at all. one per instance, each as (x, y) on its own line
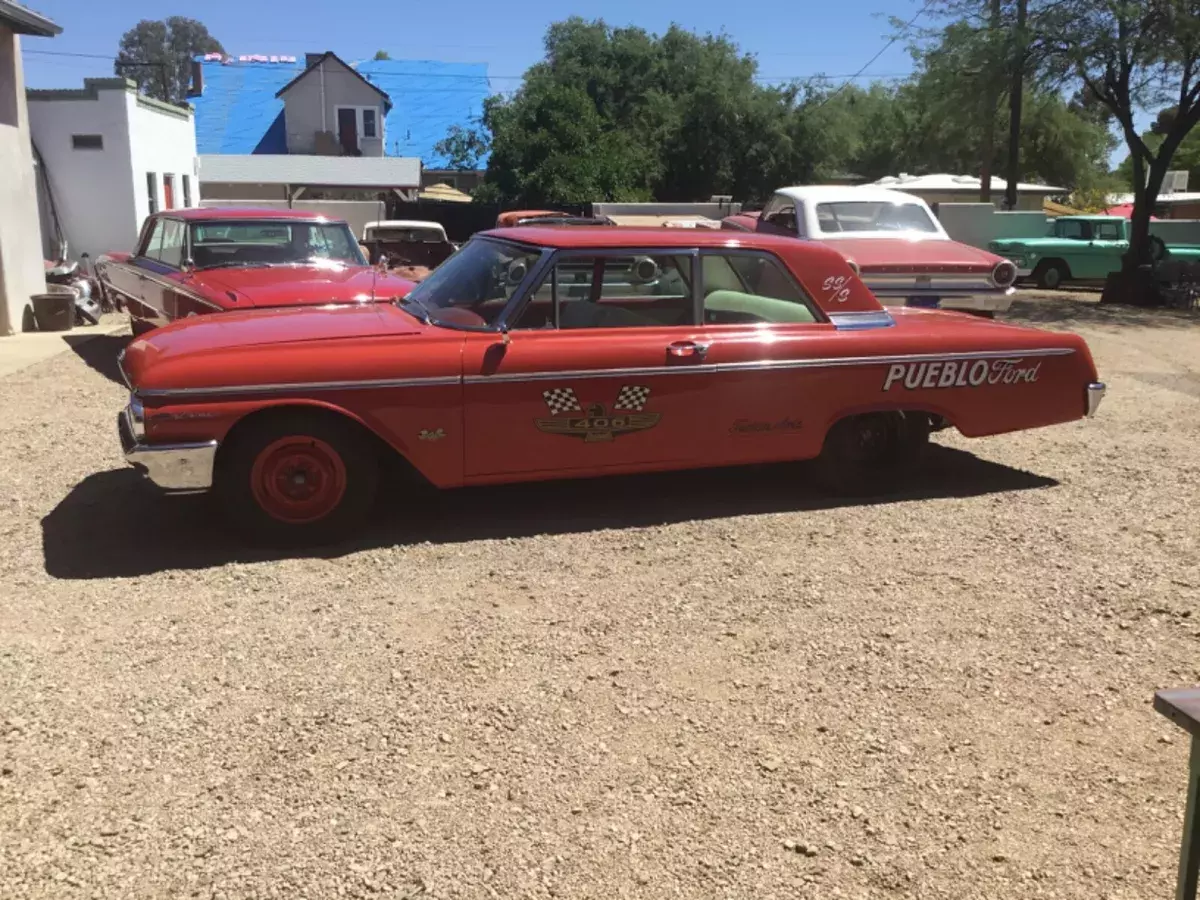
(966, 184)
(846, 193)
(384, 172)
(1178, 197)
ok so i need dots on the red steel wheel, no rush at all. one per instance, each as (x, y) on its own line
(298, 479)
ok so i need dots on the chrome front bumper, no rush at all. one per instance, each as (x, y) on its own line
(1095, 393)
(179, 468)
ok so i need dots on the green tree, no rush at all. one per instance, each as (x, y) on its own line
(381, 54)
(462, 147)
(158, 55)
(1131, 54)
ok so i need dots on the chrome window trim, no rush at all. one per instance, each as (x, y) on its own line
(175, 286)
(806, 299)
(525, 291)
(862, 320)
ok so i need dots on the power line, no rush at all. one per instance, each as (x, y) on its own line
(882, 50)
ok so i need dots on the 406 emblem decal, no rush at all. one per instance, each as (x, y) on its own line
(597, 423)
(960, 373)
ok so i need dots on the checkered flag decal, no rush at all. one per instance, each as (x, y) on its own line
(561, 400)
(632, 397)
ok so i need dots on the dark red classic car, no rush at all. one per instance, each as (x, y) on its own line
(539, 353)
(190, 262)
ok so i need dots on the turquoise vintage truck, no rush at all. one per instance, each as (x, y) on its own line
(1080, 248)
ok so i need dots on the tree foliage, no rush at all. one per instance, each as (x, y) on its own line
(381, 54)
(1130, 55)
(158, 55)
(462, 147)
(622, 114)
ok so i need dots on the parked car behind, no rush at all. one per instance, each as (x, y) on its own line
(1081, 248)
(895, 241)
(535, 353)
(191, 262)
(413, 248)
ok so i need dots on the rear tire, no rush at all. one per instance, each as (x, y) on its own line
(1051, 274)
(297, 478)
(872, 453)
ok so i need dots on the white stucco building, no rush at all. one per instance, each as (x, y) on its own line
(109, 157)
(21, 271)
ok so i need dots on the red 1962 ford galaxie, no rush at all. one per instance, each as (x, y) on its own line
(194, 261)
(538, 353)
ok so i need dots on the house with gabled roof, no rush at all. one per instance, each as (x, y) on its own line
(324, 105)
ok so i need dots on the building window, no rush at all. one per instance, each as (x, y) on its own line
(187, 192)
(152, 192)
(87, 142)
(366, 119)
(168, 191)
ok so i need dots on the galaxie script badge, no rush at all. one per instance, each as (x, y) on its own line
(960, 373)
(597, 424)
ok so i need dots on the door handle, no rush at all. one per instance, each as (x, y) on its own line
(688, 349)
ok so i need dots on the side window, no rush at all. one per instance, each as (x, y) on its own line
(1108, 231)
(612, 292)
(170, 248)
(1072, 229)
(749, 288)
(154, 243)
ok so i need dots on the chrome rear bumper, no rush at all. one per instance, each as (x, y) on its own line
(1095, 393)
(179, 468)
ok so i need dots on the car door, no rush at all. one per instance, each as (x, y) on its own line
(1109, 245)
(160, 267)
(603, 370)
(763, 330)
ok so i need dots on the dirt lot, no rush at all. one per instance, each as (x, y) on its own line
(701, 685)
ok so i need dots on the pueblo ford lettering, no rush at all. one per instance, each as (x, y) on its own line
(960, 373)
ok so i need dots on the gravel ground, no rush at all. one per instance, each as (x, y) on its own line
(699, 685)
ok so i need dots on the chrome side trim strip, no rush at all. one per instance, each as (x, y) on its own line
(774, 364)
(179, 289)
(575, 374)
(314, 386)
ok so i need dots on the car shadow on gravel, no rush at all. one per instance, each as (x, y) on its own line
(113, 524)
(100, 352)
(1084, 309)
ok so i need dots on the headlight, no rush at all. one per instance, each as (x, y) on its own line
(136, 415)
(1004, 274)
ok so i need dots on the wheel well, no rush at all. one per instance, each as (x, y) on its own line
(1053, 260)
(390, 459)
(938, 421)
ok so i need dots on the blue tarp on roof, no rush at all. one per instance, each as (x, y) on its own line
(238, 111)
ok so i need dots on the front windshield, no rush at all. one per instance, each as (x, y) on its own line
(249, 242)
(860, 215)
(473, 286)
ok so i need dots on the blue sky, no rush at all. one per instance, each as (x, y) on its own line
(791, 38)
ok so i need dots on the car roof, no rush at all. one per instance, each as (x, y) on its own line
(831, 193)
(609, 238)
(207, 213)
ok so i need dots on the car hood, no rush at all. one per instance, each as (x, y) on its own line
(273, 286)
(903, 255)
(178, 353)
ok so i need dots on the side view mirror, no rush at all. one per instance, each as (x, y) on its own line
(189, 266)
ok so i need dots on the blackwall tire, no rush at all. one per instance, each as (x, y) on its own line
(872, 454)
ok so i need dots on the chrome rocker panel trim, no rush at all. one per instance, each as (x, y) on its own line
(1095, 393)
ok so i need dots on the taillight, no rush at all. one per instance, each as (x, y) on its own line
(1004, 274)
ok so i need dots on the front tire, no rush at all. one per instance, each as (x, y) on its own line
(1051, 274)
(297, 479)
(872, 453)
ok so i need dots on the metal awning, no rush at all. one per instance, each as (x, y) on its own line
(382, 172)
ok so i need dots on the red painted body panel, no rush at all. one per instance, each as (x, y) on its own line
(546, 403)
(296, 285)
